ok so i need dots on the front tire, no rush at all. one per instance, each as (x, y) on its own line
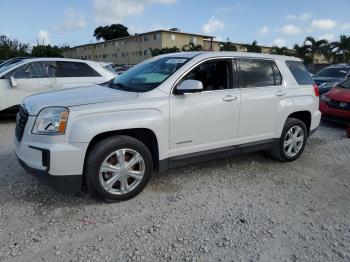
(292, 141)
(118, 168)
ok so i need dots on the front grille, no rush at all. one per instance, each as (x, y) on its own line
(339, 105)
(21, 121)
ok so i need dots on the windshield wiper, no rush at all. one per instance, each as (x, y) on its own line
(121, 87)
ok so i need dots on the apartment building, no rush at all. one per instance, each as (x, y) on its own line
(137, 48)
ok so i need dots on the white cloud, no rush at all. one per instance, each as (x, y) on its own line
(291, 29)
(73, 19)
(212, 25)
(43, 37)
(329, 36)
(279, 42)
(323, 24)
(302, 17)
(114, 11)
(345, 26)
(263, 31)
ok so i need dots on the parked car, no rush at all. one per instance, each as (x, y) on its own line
(331, 76)
(109, 67)
(36, 75)
(12, 61)
(335, 104)
(169, 111)
(120, 70)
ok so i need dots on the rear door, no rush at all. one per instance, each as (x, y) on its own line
(260, 84)
(76, 74)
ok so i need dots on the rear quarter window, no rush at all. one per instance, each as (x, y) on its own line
(300, 73)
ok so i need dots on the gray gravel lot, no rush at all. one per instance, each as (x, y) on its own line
(245, 208)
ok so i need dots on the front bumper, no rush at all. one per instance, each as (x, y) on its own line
(72, 183)
(52, 159)
(334, 114)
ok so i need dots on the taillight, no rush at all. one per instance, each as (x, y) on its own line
(316, 90)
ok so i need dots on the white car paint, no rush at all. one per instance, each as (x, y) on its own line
(183, 124)
(13, 95)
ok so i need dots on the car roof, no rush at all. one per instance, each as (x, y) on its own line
(211, 54)
(57, 59)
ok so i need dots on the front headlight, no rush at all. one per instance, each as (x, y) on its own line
(51, 121)
(325, 98)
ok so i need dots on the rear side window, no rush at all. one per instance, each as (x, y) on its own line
(75, 69)
(300, 73)
(258, 73)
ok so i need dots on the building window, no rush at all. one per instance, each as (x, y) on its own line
(145, 38)
(146, 52)
(157, 36)
(140, 53)
(116, 54)
(172, 37)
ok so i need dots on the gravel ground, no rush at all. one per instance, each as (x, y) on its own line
(245, 208)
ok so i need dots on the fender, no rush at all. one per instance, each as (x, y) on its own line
(86, 126)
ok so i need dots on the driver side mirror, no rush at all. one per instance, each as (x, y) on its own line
(189, 86)
(13, 81)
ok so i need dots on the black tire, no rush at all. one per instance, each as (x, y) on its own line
(278, 152)
(100, 152)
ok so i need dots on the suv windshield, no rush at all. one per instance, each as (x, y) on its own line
(336, 72)
(148, 75)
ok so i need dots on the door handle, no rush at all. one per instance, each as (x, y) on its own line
(230, 98)
(280, 93)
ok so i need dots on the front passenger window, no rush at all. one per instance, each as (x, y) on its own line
(214, 75)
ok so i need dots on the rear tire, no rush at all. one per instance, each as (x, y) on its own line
(292, 141)
(118, 168)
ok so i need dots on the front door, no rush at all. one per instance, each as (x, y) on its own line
(208, 119)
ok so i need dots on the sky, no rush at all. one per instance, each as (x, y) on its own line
(270, 22)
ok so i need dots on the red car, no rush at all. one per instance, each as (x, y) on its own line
(335, 104)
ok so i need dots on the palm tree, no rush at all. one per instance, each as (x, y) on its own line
(314, 46)
(302, 53)
(342, 47)
(280, 50)
(192, 47)
(254, 48)
(228, 46)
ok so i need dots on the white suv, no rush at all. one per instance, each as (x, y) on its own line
(169, 111)
(22, 77)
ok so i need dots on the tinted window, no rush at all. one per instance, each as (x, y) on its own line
(345, 84)
(277, 74)
(75, 69)
(337, 72)
(300, 73)
(213, 75)
(258, 73)
(42, 69)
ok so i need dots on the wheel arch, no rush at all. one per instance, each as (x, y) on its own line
(304, 116)
(146, 136)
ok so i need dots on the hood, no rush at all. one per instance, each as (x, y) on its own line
(339, 94)
(75, 97)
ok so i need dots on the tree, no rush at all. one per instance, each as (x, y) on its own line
(228, 46)
(280, 50)
(164, 50)
(192, 47)
(110, 32)
(342, 48)
(47, 51)
(314, 46)
(254, 48)
(302, 53)
(12, 48)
